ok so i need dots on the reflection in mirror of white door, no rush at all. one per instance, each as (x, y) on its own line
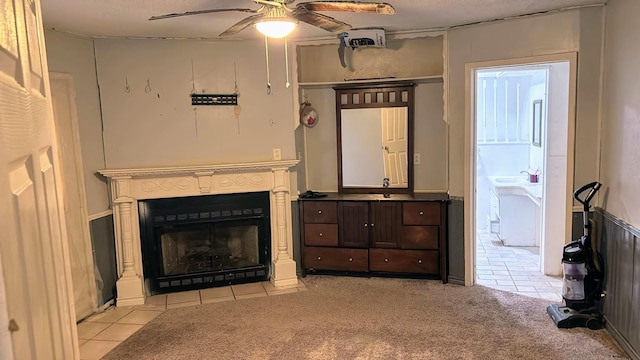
(374, 147)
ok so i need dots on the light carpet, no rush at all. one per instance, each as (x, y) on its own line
(368, 318)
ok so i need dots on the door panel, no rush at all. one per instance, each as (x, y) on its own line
(353, 224)
(386, 219)
(35, 297)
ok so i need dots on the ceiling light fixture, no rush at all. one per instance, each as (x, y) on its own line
(276, 27)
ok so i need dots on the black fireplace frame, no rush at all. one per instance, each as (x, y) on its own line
(158, 215)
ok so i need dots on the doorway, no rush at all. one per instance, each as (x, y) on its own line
(520, 172)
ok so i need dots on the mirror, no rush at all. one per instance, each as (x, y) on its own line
(375, 143)
(537, 124)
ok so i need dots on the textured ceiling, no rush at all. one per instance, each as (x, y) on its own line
(127, 18)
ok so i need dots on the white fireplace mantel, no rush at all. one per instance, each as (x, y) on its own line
(130, 185)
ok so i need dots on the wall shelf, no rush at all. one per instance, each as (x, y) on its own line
(330, 84)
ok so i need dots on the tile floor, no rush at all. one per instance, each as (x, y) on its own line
(102, 332)
(514, 269)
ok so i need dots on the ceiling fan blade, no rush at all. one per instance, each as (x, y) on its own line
(322, 21)
(349, 6)
(241, 25)
(198, 12)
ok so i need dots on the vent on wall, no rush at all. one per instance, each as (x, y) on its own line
(214, 99)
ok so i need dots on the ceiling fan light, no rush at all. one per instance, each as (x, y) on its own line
(275, 28)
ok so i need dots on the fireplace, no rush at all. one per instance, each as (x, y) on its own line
(134, 186)
(205, 241)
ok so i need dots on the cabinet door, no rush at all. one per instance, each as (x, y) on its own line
(386, 221)
(353, 224)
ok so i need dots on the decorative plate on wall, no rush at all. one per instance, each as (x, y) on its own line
(308, 115)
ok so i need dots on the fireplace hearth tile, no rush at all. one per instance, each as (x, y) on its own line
(272, 290)
(139, 317)
(184, 304)
(181, 297)
(117, 332)
(156, 302)
(87, 329)
(96, 349)
(247, 291)
(111, 315)
(216, 294)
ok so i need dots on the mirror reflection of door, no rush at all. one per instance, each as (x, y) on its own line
(394, 144)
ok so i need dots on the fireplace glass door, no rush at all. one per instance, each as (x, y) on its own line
(188, 249)
(198, 242)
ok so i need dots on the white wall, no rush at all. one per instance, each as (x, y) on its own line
(620, 164)
(536, 35)
(75, 56)
(159, 126)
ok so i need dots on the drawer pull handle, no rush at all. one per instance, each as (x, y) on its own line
(319, 211)
(421, 213)
(372, 224)
(350, 259)
(386, 260)
(419, 261)
(319, 258)
(365, 225)
(320, 234)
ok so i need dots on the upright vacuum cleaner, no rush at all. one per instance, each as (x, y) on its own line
(583, 275)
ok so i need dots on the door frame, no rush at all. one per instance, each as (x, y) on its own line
(68, 81)
(470, 156)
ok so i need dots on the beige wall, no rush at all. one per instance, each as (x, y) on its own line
(402, 58)
(430, 140)
(75, 56)
(531, 36)
(159, 126)
(620, 164)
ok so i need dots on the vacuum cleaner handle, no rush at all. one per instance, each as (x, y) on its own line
(593, 187)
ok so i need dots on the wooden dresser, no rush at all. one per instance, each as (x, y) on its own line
(364, 233)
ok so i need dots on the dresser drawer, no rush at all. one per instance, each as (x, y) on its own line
(321, 234)
(421, 213)
(419, 237)
(320, 212)
(404, 261)
(336, 259)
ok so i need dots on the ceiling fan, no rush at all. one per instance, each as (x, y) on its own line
(278, 11)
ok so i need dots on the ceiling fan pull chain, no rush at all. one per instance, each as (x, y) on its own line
(266, 51)
(286, 63)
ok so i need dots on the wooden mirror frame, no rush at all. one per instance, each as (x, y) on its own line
(379, 96)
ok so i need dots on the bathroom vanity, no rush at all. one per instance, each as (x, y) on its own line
(515, 210)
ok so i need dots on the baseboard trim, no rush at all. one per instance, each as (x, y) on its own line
(455, 280)
(624, 344)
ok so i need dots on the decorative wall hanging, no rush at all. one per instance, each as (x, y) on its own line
(308, 115)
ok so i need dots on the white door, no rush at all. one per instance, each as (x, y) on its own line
(63, 99)
(37, 318)
(394, 144)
